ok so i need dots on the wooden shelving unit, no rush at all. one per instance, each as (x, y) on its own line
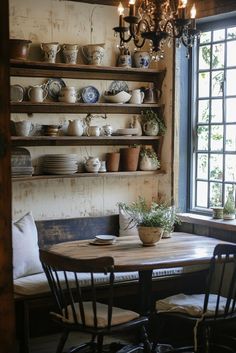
(60, 70)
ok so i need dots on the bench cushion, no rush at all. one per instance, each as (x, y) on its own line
(25, 247)
(37, 284)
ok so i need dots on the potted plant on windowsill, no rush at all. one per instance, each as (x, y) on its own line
(148, 159)
(152, 220)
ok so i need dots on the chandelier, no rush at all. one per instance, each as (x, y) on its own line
(158, 21)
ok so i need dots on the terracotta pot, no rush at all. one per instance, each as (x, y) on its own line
(113, 161)
(19, 48)
(129, 158)
(149, 236)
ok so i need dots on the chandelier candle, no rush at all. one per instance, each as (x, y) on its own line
(132, 7)
(182, 9)
(193, 16)
(121, 14)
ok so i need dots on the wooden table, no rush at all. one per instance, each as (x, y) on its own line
(182, 249)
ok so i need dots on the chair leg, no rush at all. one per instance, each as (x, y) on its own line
(62, 341)
(145, 340)
(99, 343)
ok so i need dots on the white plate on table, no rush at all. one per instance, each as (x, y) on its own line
(103, 240)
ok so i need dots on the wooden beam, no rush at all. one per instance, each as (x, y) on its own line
(7, 322)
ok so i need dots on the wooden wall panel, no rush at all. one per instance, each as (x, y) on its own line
(7, 324)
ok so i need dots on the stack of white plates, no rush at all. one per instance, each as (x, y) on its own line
(103, 240)
(60, 164)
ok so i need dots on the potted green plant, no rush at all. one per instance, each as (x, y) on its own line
(152, 220)
(152, 123)
(229, 206)
(148, 159)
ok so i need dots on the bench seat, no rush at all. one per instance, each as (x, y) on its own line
(37, 284)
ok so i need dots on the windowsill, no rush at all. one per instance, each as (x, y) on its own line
(229, 225)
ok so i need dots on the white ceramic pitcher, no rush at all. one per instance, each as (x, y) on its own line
(75, 127)
(137, 97)
(37, 93)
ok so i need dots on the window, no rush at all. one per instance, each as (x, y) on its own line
(213, 169)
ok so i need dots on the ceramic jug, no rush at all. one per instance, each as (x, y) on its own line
(136, 97)
(152, 95)
(68, 95)
(150, 128)
(70, 52)
(23, 128)
(50, 51)
(92, 164)
(75, 128)
(93, 53)
(37, 94)
(94, 130)
(107, 130)
(142, 59)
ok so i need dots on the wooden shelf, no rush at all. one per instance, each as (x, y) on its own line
(60, 107)
(88, 175)
(83, 140)
(43, 69)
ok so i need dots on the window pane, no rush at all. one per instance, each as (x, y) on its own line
(201, 197)
(230, 141)
(230, 82)
(203, 136)
(204, 84)
(202, 166)
(218, 35)
(216, 167)
(231, 48)
(231, 110)
(205, 37)
(203, 111)
(204, 57)
(215, 194)
(231, 33)
(218, 55)
(216, 110)
(217, 83)
(230, 167)
(217, 138)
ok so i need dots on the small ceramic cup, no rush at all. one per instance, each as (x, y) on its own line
(23, 128)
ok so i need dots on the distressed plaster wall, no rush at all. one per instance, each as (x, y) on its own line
(71, 22)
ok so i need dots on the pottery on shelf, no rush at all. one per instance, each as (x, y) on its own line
(151, 128)
(129, 158)
(141, 59)
(121, 97)
(75, 128)
(92, 164)
(93, 53)
(19, 48)
(113, 161)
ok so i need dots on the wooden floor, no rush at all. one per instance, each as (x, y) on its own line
(48, 344)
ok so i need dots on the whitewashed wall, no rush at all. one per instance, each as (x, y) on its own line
(71, 22)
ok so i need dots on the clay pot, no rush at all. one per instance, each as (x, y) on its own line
(19, 48)
(113, 161)
(149, 236)
(129, 158)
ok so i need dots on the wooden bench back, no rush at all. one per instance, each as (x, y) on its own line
(60, 230)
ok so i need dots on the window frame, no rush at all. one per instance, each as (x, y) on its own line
(213, 24)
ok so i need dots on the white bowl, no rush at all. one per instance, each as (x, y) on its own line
(121, 97)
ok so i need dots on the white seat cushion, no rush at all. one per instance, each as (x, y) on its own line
(119, 316)
(37, 284)
(190, 304)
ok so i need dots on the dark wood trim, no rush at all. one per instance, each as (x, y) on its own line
(7, 319)
(59, 107)
(43, 69)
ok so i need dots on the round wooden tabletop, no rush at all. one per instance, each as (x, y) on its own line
(182, 249)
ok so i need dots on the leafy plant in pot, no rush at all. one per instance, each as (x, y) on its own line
(148, 159)
(152, 123)
(152, 220)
